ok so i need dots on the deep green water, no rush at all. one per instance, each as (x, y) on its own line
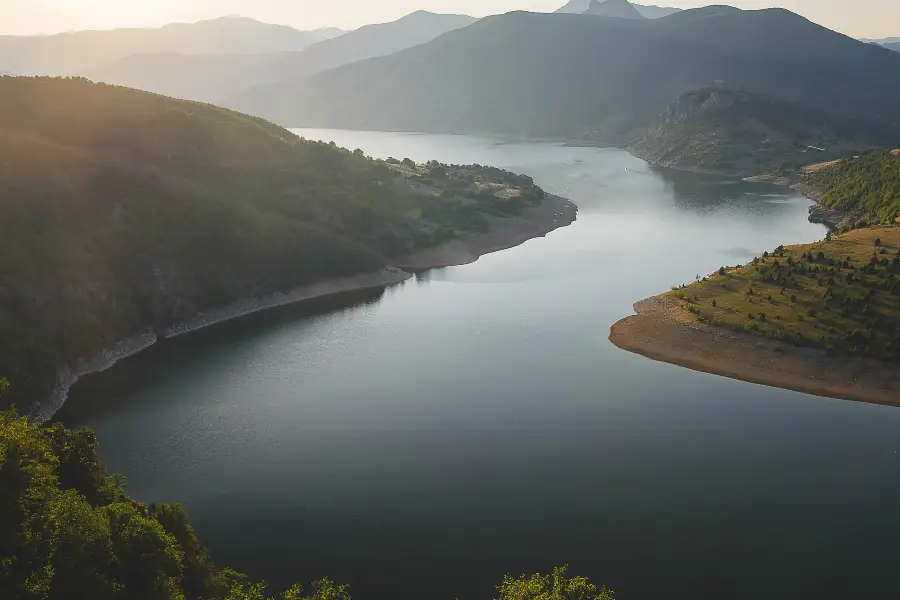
(422, 442)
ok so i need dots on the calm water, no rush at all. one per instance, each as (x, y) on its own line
(422, 442)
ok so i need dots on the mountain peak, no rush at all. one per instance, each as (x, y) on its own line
(620, 9)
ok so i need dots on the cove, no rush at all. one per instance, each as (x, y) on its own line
(424, 440)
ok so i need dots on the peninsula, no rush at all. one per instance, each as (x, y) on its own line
(130, 217)
(820, 318)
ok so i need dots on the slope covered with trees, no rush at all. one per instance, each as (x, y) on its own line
(867, 186)
(124, 211)
(69, 531)
(599, 79)
(747, 134)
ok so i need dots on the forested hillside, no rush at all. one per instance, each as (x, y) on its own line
(867, 186)
(125, 211)
(68, 531)
(748, 134)
(592, 78)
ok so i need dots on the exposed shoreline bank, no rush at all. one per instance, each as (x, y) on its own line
(661, 330)
(553, 213)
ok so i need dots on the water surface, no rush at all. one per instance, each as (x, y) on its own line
(474, 421)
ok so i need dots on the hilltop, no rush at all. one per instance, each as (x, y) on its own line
(129, 216)
(601, 80)
(650, 12)
(820, 318)
(742, 133)
(619, 9)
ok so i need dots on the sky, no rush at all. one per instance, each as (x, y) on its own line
(859, 18)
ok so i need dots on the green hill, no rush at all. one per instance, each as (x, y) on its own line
(68, 531)
(841, 294)
(124, 211)
(748, 134)
(866, 186)
(599, 79)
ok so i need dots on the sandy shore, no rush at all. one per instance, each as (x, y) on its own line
(554, 212)
(661, 330)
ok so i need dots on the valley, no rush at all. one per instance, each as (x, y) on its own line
(355, 285)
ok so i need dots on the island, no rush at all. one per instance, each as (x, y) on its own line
(821, 318)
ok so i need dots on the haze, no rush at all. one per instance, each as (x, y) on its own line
(863, 18)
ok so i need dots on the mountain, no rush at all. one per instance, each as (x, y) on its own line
(504, 75)
(895, 46)
(127, 213)
(216, 78)
(74, 53)
(655, 12)
(650, 12)
(748, 134)
(620, 9)
(202, 77)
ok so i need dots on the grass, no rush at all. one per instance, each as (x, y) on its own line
(841, 294)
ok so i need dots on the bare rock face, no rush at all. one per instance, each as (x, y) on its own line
(692, 104)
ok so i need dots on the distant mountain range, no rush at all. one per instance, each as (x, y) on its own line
(895, 46)
(620, 9)
(75, 53)
(649, 12)
(215, 78)
(563, 75)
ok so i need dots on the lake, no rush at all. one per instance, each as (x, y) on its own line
(475, 421)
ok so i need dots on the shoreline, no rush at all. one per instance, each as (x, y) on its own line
(555, 212)
(662, 331)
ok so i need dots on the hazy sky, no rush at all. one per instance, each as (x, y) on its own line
(859, 18)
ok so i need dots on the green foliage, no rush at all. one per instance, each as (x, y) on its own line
(551, 587)
(867, 185)
(842, 298)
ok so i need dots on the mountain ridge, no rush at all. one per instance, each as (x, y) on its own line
(501, 76)
(216, 78)
(75, 52)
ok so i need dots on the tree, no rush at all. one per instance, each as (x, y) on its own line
(551, 587)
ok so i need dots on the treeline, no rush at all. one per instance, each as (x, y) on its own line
(868, 186)
(68, 531)
(124, 210)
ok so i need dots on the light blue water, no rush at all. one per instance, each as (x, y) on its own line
(476, 421)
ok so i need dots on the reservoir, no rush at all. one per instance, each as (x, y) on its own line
(422, 441)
